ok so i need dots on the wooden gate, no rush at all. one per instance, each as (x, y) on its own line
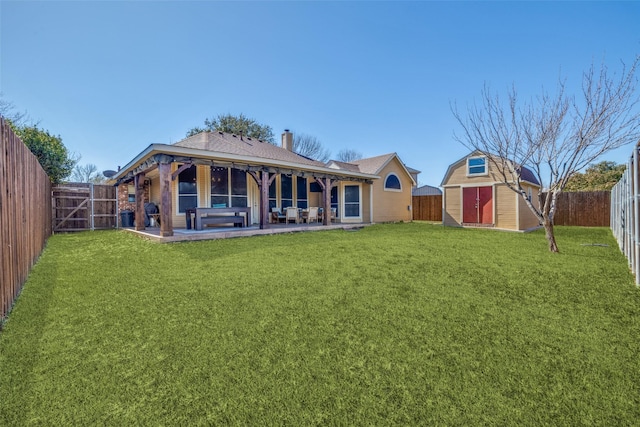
(84, 206)
(427, 208)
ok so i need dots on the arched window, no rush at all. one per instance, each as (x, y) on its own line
(392, 182)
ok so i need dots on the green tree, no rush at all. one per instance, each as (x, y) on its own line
(87, 173)
(598, 177)
(309, 146)
(236, 125)
(53, 156)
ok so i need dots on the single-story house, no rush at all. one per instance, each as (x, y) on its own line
(218, 169)
(475, 196)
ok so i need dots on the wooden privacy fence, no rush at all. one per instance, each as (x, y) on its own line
(584, 208)
(84, 206)
(427, 208)
(625, 214)
(25, 215)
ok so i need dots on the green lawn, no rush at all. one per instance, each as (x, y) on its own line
(399, 324)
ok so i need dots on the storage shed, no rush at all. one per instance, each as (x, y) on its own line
(474, 195)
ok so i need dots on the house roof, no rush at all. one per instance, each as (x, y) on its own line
(222, 142)
(426, 190)
(370, 165)
(375, 164)
(232, 150)
(334, 164)
(525, 173)
(412, 170)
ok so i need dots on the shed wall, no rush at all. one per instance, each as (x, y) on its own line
(506, 207)
(453, 206)
(528, 220)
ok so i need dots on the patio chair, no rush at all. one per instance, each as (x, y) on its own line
(292, 214)
(312, 215)
(277, 215)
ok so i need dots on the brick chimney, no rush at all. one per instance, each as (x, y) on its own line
(287, 140)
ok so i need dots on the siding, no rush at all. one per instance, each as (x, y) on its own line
(459, 176)
(505, 206)
(528, 219)
(453, 208)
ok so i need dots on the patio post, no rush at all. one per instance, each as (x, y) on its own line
(326, 196)
(264, 200)
(166, 204)
(140, 215)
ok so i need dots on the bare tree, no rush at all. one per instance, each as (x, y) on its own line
(310, 146)
(554, 136)
(347, 155)
(8, 111)
(87, 173)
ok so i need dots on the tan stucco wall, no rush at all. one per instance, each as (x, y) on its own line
(366, 202)
(391, 206)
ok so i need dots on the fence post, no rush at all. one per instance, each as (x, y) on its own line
(636, 216)
(92, 212)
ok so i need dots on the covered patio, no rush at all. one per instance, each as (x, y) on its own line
(218, 170)
(213, 233)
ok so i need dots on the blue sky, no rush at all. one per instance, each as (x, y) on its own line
(113, 77)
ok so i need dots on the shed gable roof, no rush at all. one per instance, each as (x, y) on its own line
(525, 173)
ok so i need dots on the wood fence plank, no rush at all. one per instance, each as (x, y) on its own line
(586, 209)
(427, 208)
(25, 214)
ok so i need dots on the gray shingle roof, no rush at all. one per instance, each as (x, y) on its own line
(234, 144)
(426, 190)
(343, 165)
(373, 165)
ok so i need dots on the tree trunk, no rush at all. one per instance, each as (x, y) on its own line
(551, 238)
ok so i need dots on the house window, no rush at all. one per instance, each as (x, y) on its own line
(334, 200)
(273, 201)
(476, 166)
(187, 189)
(392, 183)
(228, 187)
(286, 191)
(301, 192)
(238, 188)
(219, 187)
(351, 201)
(131, 193)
